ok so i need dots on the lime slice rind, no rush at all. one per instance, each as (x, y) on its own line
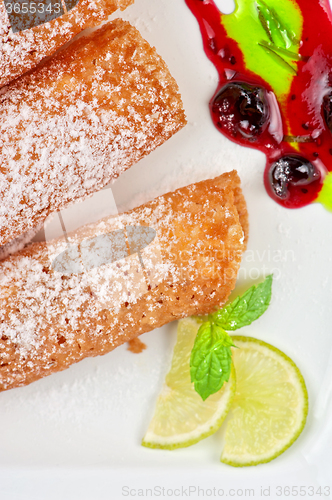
(199, 432)
(273, 408)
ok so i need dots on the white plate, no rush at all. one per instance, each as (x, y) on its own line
(76, 434)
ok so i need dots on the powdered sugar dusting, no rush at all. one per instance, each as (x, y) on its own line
(18, 243)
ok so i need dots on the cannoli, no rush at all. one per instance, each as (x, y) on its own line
(50, 320)
(78, 121)
(21, 50)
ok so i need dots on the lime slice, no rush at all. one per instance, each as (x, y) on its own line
(270, 406)
(181, 417)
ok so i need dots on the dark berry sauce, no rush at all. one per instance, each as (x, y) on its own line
(296, 134)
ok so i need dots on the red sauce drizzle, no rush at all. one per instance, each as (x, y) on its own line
(304, 110)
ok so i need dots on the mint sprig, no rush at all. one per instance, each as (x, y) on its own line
(211, 356)
(246, 309)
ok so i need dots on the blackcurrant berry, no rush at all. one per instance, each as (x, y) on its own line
(293, 178)
(240, 108)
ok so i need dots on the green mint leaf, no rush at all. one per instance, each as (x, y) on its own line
(246, 309)
(211, 359)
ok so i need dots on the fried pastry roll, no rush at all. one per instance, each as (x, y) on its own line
(51, 319)
(21, 51)
(79, 121)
